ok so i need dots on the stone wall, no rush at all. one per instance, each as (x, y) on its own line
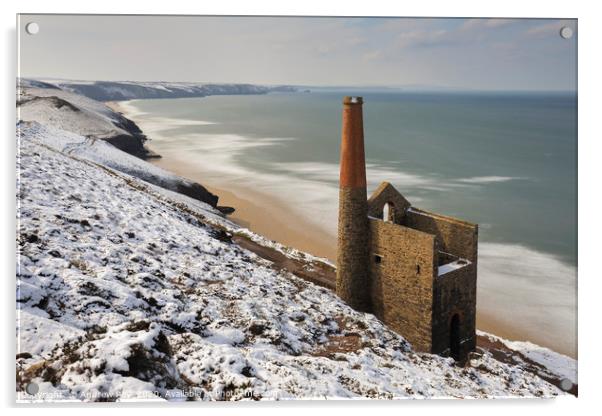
(353, 280)
(455, 292)
(407, 293)
(402, 279)
(454, 236)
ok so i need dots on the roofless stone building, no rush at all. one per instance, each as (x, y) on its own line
(415, 270)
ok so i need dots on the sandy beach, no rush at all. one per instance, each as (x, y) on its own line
(273, 218)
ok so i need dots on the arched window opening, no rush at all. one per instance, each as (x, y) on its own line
(389, 212)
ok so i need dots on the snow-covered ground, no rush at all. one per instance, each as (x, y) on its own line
(122, 294)
(558, 365)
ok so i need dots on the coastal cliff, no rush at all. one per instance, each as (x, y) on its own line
(99, 125)
(39, 101)
(124, 90)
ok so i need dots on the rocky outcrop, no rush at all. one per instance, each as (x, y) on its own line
(196, 191)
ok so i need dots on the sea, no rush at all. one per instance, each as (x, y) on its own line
(507, 161)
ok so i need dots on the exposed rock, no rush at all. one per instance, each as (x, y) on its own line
(226, 210)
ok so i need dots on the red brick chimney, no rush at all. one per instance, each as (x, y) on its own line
(353, 164)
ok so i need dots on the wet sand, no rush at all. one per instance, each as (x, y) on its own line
(272, 218)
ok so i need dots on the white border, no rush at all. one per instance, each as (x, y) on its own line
(589, 172)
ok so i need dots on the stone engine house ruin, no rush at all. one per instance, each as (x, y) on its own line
(413, 269)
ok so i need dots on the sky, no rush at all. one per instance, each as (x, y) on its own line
(465, 54)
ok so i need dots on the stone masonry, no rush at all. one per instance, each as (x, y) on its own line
(415, 270)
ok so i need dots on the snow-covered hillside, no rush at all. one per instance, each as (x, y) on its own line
(126, 290)
(37, 101)
(93, 130)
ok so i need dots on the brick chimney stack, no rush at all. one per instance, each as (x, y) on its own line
(353, 284)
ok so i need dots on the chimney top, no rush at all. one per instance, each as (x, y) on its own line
(353, 162)
(353, 100)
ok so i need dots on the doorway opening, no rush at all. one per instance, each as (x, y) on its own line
(454, 337)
